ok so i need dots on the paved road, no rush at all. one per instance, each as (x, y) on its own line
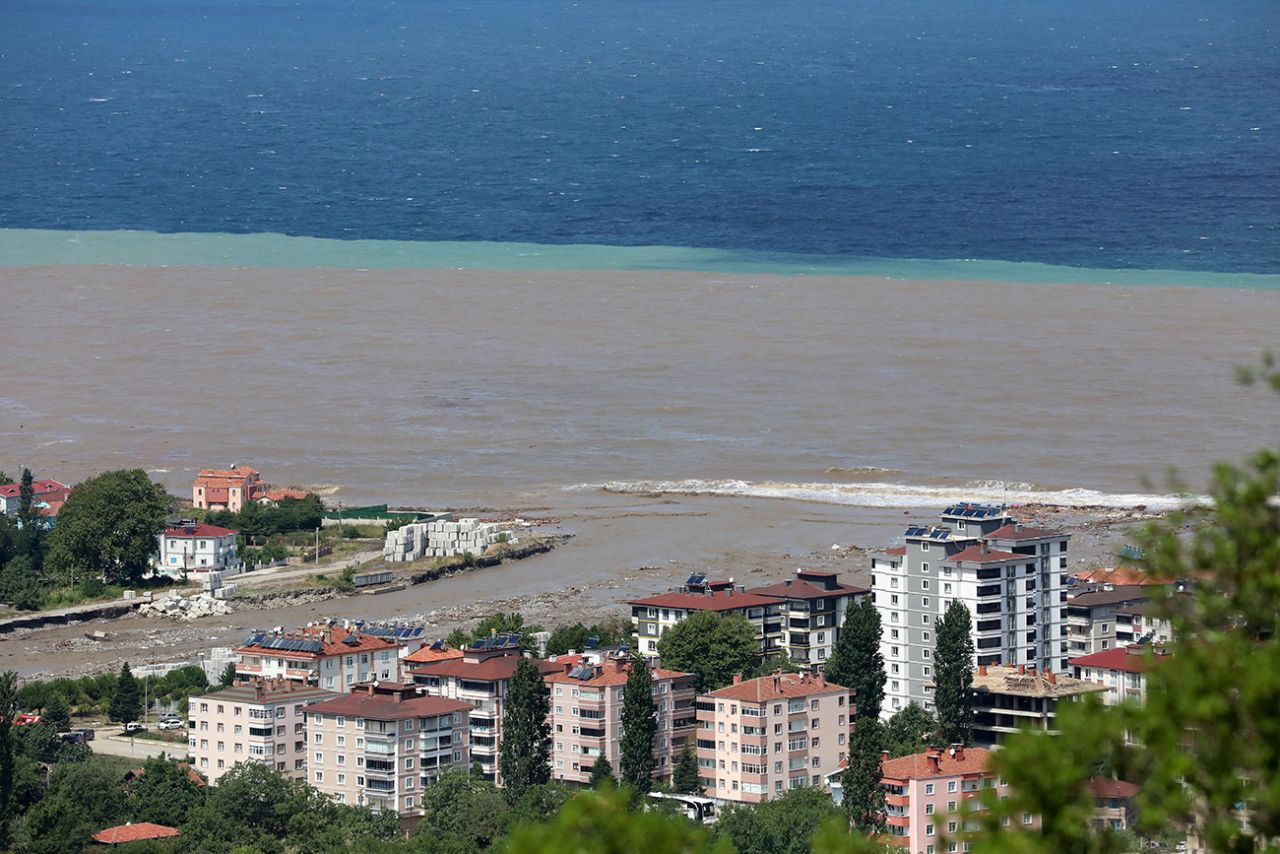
(108, 740)
(293, 571)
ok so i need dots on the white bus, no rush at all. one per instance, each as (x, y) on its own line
(698, 808)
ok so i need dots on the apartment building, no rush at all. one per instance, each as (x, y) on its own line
(652, 616)
(1122, 671)
(330, 657)
(191, 546)
(264, 721)
(759, 738)
(926, 792)
(1011, 577)
(1093, 615)
(813, 606)
(382, 744)
(1008, 698)
(586, 714)
(1142, 623)
(1113, 803)
(480, 678)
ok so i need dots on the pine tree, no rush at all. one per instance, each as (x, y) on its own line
(601, 773)
(856, 662)
(686, 780)
(126, 703)
(953, 675)
(57, 713)
(526, 736)
(228, 675)
(639, 726)
(863, 794)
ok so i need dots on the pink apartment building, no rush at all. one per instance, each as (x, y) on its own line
(925, 793)
(758, 738)
(586, 714)
(227, 489)
(383, 743)
(261, 722)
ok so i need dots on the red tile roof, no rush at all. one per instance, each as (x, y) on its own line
(1106, 787)
(133, 833)
(1116, 658)
(764, 688)
(199, 530)
(386, 706)
(39, 489)
(718, 601)
(896, 550)
(978, 554)
(971, 760)
(805, 590)
(334, 644)
(426, 654)
(1022, 532)
(610, 672)
(1120, 575)
(493, 669)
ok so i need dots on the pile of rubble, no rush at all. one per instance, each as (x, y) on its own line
(440, 539)
(186, 609)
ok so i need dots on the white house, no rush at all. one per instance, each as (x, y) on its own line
(197, 547)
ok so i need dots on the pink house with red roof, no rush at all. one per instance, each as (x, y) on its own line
(191, 546)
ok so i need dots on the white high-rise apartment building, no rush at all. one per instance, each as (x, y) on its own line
(1011, 577)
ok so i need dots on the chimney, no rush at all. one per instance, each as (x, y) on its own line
(933, 760)
(884, 756)
(957, 752)
(787, 583)
(1052, 677)
(822, 679)
(567, 667)
(777, 682)
(737, 679)
(1022, 670)
(982, 670)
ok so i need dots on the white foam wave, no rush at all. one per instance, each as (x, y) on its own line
(899, 494)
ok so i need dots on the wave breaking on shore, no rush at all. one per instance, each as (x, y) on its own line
(888, 495)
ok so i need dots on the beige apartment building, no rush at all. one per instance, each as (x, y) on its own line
(261, 722)
(329, 657)
(383, 743)
(586, 714)
(758, 738)
(480, 678)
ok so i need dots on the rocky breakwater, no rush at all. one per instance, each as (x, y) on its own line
(185, 608)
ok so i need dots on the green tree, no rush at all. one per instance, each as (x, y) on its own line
(599, 822)
(461, 812)
(108, 528)
(5, 480)
(863, 794)
(856, 662)
(57, 713)
(82, 798)
(686, 779)
(1207, 740)
(228, 675)
(601, 773)
(126, 705)
(909, 731)
(712, 647)
(639, 726)
(953, 674)
(21, 585)
(525, 759)
(165, 792)
(8, 708)
(782, 826)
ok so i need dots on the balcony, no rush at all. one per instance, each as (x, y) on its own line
(380, 785)
(383, 748)
(591, 733)
(380, 766)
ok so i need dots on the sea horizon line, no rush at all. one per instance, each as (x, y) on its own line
(27, 247)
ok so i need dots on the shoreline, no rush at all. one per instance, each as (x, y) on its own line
(610, 558)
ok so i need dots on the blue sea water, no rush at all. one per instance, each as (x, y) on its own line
(1092, 133)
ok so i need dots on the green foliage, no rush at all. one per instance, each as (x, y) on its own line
(256, 520)
(953, 674)
(601, 774)
(5, 480)
(165, 793)
(686, 779)
(57, 713)
(712, 647)
(126, 703)
(599, 822)
(228, 675)
(526, 736)
(8, 708)
(856, 662)
(82, 798)
(864, 802)
(21, 585)
(909, 731)
(108, 528)
(781, 826)
(611, 632)
(639, 726)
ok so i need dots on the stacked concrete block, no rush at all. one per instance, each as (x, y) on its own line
(439, 539)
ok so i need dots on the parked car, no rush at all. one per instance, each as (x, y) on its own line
(134, 726)
(169, 724)
(75, 736)
(86, 733)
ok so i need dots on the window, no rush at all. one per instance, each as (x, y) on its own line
(928, 788)
(928, 809)
(951, 786)
(924, 585)
(951, 827)
(924, 618)
(319, 776)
